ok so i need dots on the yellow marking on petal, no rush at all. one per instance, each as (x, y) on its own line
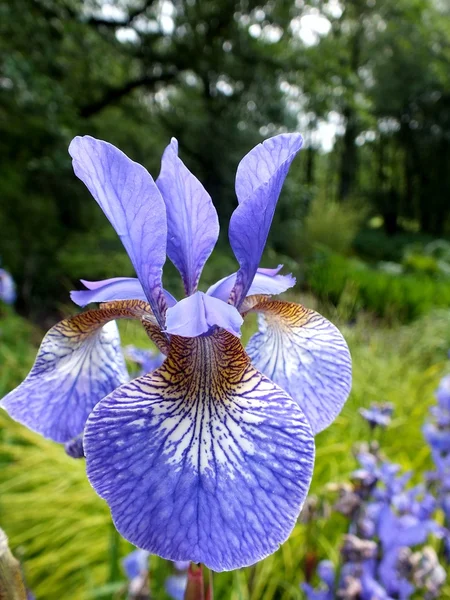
(251, 301)
(138, 309)
(283, 313)
(85, 323)
(210, 377)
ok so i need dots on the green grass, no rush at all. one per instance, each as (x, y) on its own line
(62, 532)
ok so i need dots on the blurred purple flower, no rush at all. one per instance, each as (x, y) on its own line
(7, 287)
(175, 586)
(148, 360)
(379, 414)
(325, 591)
(74, 447)
(443, 393)
(136, 563)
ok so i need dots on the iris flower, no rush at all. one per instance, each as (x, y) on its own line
(209, 457)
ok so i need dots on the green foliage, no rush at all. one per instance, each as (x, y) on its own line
(62, 531)
(332, 225)
(388, 295)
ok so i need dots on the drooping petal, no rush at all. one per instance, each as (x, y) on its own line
(134, 206)
(192, 223)
(266, 281)
(118, 288)
(79, 362)
(304, 354)
(198, 313)
(259, 179)
(204, 459)
(109, 290)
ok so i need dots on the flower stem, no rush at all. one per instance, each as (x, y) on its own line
(195, 589)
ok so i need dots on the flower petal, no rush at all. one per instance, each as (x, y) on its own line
(204, 459)
(109, 290)
(133, 204)
(118, 288)
(266, 281)
(79, 362)
(306, 355)
(192, 223)
(198, 313)
(259, 179)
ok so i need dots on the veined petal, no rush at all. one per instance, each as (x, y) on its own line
(259, 179)
(134, 206)
(192, 223)
(198, 313)
(266, 281)
(304, 354)
(109, 290)
(205, 459)
(79, 362)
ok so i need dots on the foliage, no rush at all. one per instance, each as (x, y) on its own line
(332, 225)
(386, 294)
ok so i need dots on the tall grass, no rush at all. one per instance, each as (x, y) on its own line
(62, 532)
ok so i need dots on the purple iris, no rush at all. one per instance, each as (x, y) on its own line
(209, 457)
(379, 414)
(7, 287)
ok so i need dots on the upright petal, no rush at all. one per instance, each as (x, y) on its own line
(192, 223)
(204, 459)
(79, 362)
(198, 313)
(306, 355)
(259, 179)
(133, 204)
(265, 281)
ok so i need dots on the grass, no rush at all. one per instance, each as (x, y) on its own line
(62, 532)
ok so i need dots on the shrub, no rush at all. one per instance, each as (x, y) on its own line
(388, 295)
(332, 225)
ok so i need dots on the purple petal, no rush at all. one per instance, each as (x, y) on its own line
(266, 281)
(198, 313)
(79, 362)
(259, 179)
(133, 204)
(204, 459)
(117, 288)
(192, 223)
(306, 355)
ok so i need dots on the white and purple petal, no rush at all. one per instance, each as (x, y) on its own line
(266, 281)
(133, 204)
(259, 179)
(199, 313)
(205, 459)
(192, 223)
(79, 362)
(306, 355)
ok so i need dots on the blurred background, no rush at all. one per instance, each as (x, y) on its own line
(363, 220)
